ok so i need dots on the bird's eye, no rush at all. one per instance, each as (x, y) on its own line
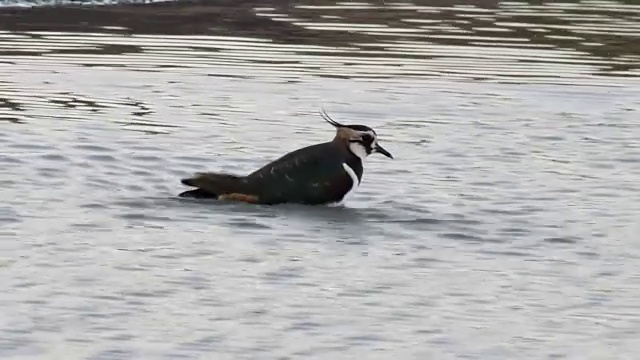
(367, 138)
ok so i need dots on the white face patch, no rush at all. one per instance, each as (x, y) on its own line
(358, 149)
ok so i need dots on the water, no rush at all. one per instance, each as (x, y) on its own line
(505, 227)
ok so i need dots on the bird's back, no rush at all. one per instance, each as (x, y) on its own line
(311, 175)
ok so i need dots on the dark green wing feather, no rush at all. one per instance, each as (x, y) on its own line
(311, 175)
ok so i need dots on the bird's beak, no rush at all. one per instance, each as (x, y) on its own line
(382, 151)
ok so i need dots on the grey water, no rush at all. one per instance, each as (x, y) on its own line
(506, 227)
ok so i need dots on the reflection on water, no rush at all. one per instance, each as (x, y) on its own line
(505, 227)
(585, 43)
(572, 43)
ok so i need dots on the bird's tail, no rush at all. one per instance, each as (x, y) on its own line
(215, 185)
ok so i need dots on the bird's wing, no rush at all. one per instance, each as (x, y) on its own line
(312, 175)
(293, 159)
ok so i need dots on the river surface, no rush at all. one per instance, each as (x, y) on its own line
(506, 227)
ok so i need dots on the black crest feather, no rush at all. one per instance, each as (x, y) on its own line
(328, 119)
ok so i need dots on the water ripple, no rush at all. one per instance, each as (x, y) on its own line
(505, 43)
(505, 227)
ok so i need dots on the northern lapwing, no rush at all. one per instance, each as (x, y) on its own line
(314, 175)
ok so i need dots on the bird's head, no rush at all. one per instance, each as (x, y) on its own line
(361, 140)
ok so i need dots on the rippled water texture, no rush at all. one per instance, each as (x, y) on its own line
(506, 227)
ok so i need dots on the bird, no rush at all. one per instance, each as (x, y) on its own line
(320, 174)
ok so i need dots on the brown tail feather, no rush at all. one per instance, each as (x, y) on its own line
(217, 184)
